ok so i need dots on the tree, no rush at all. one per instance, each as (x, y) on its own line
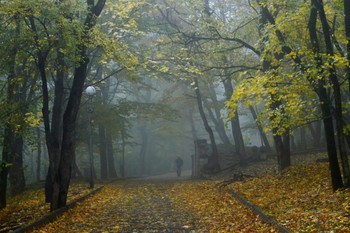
(309, 64)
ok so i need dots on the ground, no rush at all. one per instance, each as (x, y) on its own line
(159, 205)
(301, 199)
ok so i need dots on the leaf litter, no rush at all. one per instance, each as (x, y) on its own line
(301, 199)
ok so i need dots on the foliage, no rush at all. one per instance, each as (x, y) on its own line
(290, 84)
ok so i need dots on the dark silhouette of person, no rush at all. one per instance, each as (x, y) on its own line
(179, 162)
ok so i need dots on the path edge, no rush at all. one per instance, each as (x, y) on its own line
(256, 210)
(52, 216)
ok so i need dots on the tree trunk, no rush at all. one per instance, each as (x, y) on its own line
(61, 158)
(347, 35)
(319, 88)
(235, 124)
(143, 150)
(219, 124)
(213, 160)
(16, 172)
(261, 131)
(9, 132)
(283, 151)
(303, 145)
(38, 160)
(122, 165)
(337, 182)
(193, 127)
(110, 155)
(338, 111)
(5, 164)
(103, 152)
(315, 130)
(217, 119)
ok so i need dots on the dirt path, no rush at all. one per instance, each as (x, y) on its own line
(159, 205)
(149, 208)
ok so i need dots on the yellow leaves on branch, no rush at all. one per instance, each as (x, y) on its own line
(286, 99)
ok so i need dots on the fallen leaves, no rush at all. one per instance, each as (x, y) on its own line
(30, 206)
(159, 206)
(301, 199)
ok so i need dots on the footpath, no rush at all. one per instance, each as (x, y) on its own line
(160, 204)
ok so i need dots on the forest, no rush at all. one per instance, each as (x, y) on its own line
(96, 90)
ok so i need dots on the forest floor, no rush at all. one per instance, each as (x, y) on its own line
(301, 199)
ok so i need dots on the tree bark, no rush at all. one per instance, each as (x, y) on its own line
(261, 131)
(213, 160)
(16, 172)
(303, 140)
(72, 108)
(235, 124)
(217, 119)
(218, 123)
(337, 181)
(144, 147)
(9, 132)
(110, 155)
(38, 160)
(282, 142)
(347, 35)
(122, 165)
(103, 152)
(315, 130)
(338, 110)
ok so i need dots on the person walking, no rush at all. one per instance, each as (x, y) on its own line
(179, 162)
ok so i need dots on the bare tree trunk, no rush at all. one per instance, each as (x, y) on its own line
(143, 150)
(38, 160)
(213, 160)
(338, 110)
(103, 152)
(347, 35)
(261, 131)
(235, 124)
(110, 155)
(16, 172)
(315, 130)
(337, 181)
